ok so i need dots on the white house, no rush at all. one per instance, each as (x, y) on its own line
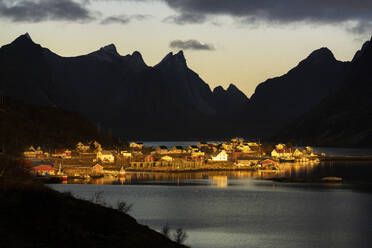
(297, 153)
(281, 153)
(106, 156)
(32, 152)
(221, 156)
(167, 158)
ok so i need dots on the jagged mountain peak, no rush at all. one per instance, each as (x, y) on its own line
(363, 50)
(23, 39)
(171, 59)
(27, 36)
(137, 54)
(218, 89)
(231, 91)
(232, 87)
(321, 54)
(110, 49)
(320, 57)
(138, 57)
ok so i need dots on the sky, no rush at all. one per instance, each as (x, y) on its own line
(243, 42)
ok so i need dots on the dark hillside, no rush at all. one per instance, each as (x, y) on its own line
(22, 125)
(345, 117)
(32, 215)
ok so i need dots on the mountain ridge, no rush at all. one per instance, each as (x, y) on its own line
(108, 88)
(169, 100)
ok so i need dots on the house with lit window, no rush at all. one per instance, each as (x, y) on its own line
(44, 170)
(106, 156)
(220, 156)
(62, 153)
(97, 168)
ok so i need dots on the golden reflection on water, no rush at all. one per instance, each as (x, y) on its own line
(219, 181)
(215, 178)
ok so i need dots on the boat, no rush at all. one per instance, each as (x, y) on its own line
(331, 180)
(122, 172)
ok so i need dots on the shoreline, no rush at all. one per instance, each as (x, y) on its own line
(32, 209)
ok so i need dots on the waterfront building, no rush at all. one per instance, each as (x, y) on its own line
(43, 170)
(276, 153)
(297, 153)
(97, 168)
(149, 158)
(106, 156)
(62, 153)
(167, 158)
(220, 156)
(31, 152)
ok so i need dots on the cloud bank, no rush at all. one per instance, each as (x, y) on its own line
(123, 19)
(44, 10)
(190, 45)
(357, 12)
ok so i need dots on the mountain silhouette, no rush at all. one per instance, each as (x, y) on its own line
(120, 93)
(344, 118)
(170, 101)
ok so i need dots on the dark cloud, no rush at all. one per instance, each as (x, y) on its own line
(361, 27)
(186, 18)
(43, 10)
(123, 19)
(115, 19)
(281, 11)
(190, 45)
(358, 12)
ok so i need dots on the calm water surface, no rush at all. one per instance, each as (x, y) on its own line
(239, 209)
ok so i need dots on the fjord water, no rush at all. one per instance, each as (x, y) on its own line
(240, 209)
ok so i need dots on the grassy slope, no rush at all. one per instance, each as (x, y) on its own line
(33, 215)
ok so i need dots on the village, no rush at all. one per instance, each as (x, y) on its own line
(90, 160)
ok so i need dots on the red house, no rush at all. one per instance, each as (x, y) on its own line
(62, 153)
(149, 158)
(97, 168)
(44, 169)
